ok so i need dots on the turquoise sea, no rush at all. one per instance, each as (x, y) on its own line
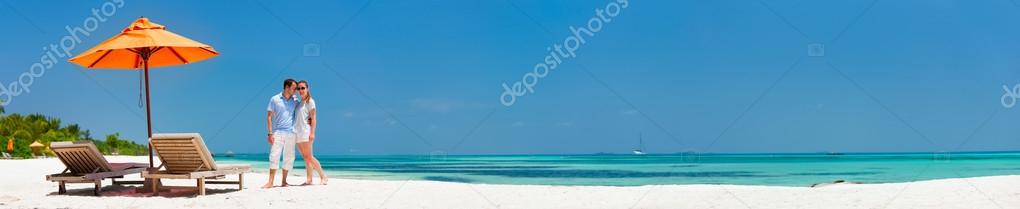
(632, 170)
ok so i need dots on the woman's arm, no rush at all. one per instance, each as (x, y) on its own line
(311, 122)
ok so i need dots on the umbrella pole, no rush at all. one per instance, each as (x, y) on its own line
(149, 184)
(148, 110)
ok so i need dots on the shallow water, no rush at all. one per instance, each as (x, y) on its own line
(631, 170)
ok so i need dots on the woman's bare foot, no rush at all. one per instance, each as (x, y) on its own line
(267, 186)
(285, 185)
(323, 181)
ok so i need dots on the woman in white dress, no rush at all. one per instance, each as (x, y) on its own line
(304, 126)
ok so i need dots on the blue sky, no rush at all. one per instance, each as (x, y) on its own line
(413, 77)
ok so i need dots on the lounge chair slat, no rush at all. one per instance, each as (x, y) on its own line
(85, 162)
(184, 166)
(78, 165)
(175, 148)
(70, 161)
(193, 155)
(182, 158)
(89, 161)
(176, 143)
(163, 174)
(161, 151)
(64, 158)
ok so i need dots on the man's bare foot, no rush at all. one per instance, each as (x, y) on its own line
(267, 186)
(323, 181)
(307, 183)
(285, 185)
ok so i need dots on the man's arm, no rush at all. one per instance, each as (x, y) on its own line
(269, 126)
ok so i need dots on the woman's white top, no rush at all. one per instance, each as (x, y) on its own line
(301, 126)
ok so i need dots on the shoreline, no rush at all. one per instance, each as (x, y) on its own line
(27, 188)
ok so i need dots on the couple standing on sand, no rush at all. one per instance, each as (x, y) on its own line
(292, 121)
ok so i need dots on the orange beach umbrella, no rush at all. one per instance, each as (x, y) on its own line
(141, 46)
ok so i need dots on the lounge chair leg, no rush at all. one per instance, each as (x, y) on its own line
(240, 182)
(201, 186)
(155, 187)
(61, 189)
(96, 190)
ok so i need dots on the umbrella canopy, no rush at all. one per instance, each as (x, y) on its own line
(36, 147)
(36, 144)
(144, 40)
(143, 45)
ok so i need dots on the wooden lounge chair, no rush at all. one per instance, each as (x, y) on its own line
(86, 165)
(185, 156)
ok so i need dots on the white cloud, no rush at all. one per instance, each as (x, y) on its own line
(517, 124)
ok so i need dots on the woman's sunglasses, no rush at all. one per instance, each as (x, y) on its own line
(300, 88)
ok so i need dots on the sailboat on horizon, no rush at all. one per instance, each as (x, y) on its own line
(641, 146)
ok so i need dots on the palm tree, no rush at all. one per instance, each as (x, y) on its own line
(11, 123)
(73, 130)
(86, 135)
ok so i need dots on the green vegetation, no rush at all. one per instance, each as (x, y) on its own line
(36, 127)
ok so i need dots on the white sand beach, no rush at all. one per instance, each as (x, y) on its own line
(23, 185)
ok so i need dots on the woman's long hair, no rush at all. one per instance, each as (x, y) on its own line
(307, 89)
